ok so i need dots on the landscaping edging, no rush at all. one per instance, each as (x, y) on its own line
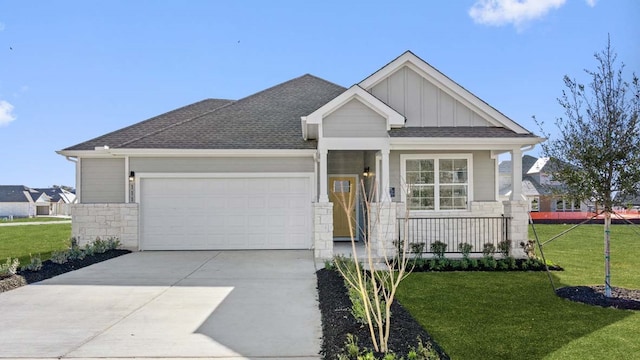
(50, 269)
(337, 321)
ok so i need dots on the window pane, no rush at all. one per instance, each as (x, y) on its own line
(446, 177)
(413, 165)
(459, 190)
(427, 177)
(426, 165)
(446, 164)
(412, 177)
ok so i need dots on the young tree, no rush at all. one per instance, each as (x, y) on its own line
(598, 147)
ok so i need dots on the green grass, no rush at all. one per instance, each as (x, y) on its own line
(20, 241)
(516, 315)
(33, 219)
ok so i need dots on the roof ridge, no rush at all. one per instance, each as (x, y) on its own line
(178, 123)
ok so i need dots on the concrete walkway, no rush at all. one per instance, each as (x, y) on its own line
(21, 223)
(190, 304)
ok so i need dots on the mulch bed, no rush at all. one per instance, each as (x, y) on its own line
(621, 298)
(337, 321)
(51, 269)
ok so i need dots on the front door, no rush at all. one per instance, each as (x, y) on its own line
(342, 193)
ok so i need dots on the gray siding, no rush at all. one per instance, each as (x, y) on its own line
(423, 103)
(345, 162)
(483, 173)
(102, 181)
(354, 119)
(222, 164)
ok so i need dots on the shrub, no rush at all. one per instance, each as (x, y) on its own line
(488, 249)
(99, 246)
(35, 263)
(465, 249)
(489, 262)
(417, 248)
(438, 248)
(113, 243)
(89, 250)
(10, 267)
(59, 257)
(504, 247)
(75, 253)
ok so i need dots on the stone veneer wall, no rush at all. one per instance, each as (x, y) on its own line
(323, 230)
(383, 229)
(89, 221)
(518, 211)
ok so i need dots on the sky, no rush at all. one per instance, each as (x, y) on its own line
(74, 70)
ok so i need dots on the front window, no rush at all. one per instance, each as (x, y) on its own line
(436, 182)
(564, 204)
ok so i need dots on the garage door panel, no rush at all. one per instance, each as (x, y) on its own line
(225, 213)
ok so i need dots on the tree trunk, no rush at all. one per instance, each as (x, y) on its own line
(607, 270)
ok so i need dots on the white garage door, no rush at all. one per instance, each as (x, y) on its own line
(225, 213)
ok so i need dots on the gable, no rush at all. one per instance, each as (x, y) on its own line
(428, 98)
(354, 119)
(423, 103)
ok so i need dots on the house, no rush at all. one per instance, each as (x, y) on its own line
(17, 201)
(538, 187)
(264, 172)
(54, 201)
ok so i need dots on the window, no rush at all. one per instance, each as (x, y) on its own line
(535, 204)
(563, 204)
(436, 182)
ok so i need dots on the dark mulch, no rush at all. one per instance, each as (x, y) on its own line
(621, 298)
(337, 321)
(51, 269)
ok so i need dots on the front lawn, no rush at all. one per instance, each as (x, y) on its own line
(20, 241)
(479, 315)
(33, 219)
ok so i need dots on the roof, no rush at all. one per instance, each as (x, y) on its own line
(455, 132)
(55, 194)
(16, 193)
(269, 119)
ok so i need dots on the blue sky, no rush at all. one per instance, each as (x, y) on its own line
(74, 70)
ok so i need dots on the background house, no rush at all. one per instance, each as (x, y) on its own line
(538, 187)
(17, 201)
(22, 201)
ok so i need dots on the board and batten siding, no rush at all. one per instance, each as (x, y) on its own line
(483, 173)
(423, 103)
(103, 180)
(354, 119)
(222, 164)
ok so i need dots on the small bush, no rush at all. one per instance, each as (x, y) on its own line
(76, 253)
(35, 264)
(99, 246)
(59, 257)
(417, 248)
(489, 262)
(10, 267)
(89, 250)
(504, 247)
(438, 249)
(465, 249)
(488, 249)
(113, 243)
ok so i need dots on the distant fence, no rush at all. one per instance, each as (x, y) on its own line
(541, 217)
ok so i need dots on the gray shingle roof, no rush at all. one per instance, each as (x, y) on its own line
(15, 193)
(120, 138)
(457, 132)
(269, 119)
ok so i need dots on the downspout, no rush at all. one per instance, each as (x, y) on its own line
(76, 161)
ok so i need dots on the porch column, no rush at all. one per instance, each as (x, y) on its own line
(384, 191)
(323, 196)
(516, 174)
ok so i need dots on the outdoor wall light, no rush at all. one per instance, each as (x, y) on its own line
(132, 175)
(366, 172)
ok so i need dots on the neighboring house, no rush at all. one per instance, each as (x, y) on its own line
(54, 201)
(538, 187)
(264, 172)
(627, 202)
(17, 201)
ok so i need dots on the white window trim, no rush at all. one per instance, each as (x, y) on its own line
(436, 158)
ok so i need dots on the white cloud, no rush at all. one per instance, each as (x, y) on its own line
(591, 3)
(6, 113)
(516, 12)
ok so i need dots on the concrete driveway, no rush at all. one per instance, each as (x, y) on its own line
(209, 304)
